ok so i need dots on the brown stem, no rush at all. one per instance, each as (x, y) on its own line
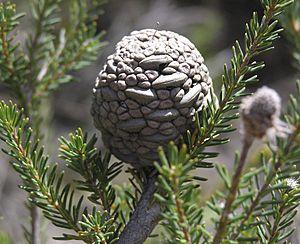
(269, 179)
(182, 220)
(182, 217)
(221, 230)
(276, 223)
(144, 218)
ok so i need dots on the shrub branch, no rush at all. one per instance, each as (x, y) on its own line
(144, 218)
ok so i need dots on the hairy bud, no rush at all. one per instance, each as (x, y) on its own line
(260, 115)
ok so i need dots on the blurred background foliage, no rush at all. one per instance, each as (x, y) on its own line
(213, 25)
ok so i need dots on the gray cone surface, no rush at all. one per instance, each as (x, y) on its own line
(147, 93)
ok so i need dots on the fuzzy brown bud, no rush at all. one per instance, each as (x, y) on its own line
(260, 115)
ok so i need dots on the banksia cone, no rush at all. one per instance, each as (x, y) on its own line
(147, 93)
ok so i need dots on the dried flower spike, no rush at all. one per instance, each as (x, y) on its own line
(260, 116)
(148, 92)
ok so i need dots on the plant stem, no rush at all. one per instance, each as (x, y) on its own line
(272, 238)
(33, 209)
(35, 222)
(33, 109)
(144, 218)
(33, 45)
(12, 72)
(40, 185)
(268, 181)
(233, 83)
(180, 211)
(221, 230)
(256, 201)
(182, 220)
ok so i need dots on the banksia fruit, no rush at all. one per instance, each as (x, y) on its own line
(147, 93)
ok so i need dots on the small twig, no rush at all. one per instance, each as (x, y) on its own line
(33, 45)
(42, 188)
(232, 193)
(12, 72)
(180, 211)
(292, 139)
(65, 67)
(144, 218)
(35, 222)
(265, 186)
(276, 224)
(182, 220)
